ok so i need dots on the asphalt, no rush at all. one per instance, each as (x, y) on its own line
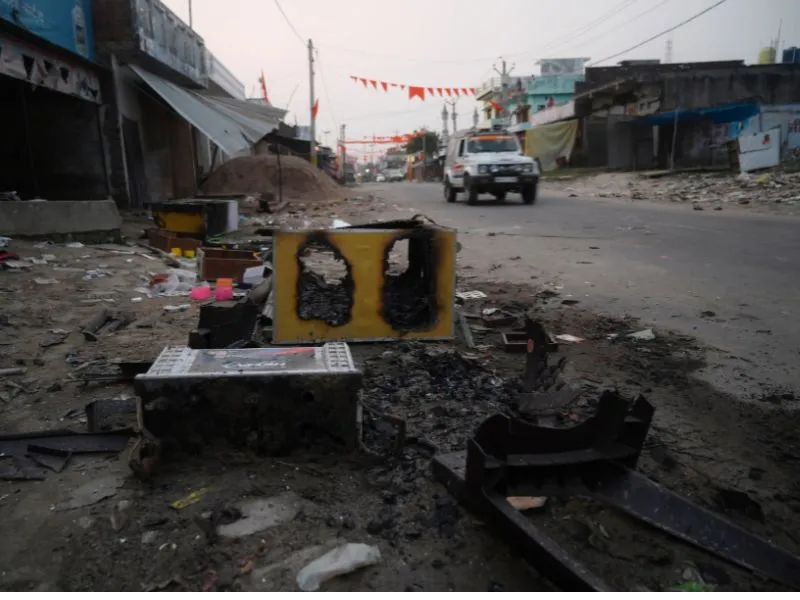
(730, 278)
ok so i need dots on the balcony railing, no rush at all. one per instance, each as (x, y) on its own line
(165, 37)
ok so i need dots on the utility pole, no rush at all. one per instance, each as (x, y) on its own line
(190, 15)
(343, 148)
(453, 114)
(313, 125)
(504, 74)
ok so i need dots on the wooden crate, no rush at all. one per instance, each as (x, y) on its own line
(216, 263)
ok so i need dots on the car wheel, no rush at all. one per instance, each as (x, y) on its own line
(450, 193)
(472, 191)
(529, 194)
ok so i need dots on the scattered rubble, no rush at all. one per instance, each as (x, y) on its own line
(772, 191)
(244, 521)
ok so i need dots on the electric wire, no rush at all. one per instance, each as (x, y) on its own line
(289, 23)
(663, 33)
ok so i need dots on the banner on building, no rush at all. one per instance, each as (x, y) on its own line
(552, 144)
(65, 23)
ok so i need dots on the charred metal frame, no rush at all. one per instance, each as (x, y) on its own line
(595, 459)
(309, 284)
(415, 286)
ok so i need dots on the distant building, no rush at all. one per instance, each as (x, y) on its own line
(511, 101)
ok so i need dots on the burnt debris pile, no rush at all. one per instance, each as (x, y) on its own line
(440, 393)
(325, 283)
(409, 290)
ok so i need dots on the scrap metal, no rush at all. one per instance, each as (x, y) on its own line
(371, 304)
(595, 459)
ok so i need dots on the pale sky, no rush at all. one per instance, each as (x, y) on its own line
(454, 43)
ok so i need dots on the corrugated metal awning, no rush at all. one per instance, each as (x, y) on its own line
(231, 124)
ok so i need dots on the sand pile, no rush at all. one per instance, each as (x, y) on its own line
(259, 174)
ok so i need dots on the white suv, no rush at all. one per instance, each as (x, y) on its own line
(488, 162)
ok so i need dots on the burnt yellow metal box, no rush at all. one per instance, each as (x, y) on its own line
(197, 216)
(385, 281)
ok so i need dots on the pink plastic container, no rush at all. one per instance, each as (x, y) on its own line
(223, 293)
(201, 293)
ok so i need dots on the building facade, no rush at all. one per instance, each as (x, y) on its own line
(512, 101)
(52, 102)
(177, 111)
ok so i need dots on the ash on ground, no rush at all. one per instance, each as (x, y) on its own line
(442, 394)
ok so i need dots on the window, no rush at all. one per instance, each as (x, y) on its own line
(492, 143)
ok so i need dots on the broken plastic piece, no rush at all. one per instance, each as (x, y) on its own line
(192, 498)
(339, 561)
(645, 335)
(567, 337)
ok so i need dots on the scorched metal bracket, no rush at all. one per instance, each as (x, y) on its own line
(596, 458)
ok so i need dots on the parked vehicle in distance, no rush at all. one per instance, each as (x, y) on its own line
(394, 175)
(488, 162)
(380, 178)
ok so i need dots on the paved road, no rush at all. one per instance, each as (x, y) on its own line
(665, 264)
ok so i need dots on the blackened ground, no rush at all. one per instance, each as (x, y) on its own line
(704, 444)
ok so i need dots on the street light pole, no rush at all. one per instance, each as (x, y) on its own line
(191, 20)
(313, 124)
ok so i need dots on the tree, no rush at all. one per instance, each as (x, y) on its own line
(430, 145)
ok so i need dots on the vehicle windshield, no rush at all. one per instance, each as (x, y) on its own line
(492, 143)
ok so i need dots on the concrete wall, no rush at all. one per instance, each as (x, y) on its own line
(59, 220)
(596, 141)
(113, 28)
(767, 84)
(51, 145)
(620, 138)
(599, 76)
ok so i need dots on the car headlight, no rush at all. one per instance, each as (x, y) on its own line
(527, 168)
(483, 169)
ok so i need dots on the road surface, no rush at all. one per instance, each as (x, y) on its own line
(730, 278)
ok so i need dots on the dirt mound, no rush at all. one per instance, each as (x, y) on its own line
(259, 174)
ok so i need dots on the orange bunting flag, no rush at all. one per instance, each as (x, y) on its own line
(315, 108)
(416, 92)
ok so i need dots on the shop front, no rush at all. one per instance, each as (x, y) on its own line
(52, 145)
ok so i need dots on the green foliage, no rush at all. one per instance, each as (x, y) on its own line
(430, 145)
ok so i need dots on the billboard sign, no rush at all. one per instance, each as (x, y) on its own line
(65, 23)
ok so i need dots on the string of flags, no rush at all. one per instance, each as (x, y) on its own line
(416, 91)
